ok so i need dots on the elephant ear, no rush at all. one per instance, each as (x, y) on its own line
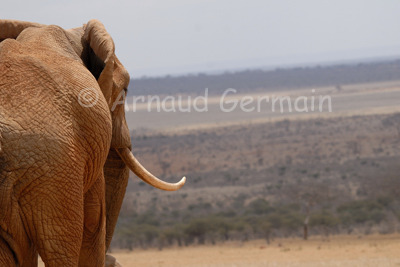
(101, 56)
(12, 28)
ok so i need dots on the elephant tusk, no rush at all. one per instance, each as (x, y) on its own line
(135, 166)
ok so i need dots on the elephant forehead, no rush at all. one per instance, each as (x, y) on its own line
(59, 87)
(49, 38)
(54, 97)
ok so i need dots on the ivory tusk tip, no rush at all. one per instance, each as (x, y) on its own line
(181, 183)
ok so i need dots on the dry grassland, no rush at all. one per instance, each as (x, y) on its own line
(374, 250)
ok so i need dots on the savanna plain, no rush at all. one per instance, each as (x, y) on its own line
(374, 250)
(255, 180)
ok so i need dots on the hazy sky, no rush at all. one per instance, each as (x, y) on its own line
(157, 37)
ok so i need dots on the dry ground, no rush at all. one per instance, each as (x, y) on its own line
(375, 250)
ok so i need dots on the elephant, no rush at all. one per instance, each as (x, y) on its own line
(65, 147)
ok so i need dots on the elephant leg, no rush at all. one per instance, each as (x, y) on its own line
(112, 262)
(11, 255)
(94, 232)
(53, 216)
(7, 256)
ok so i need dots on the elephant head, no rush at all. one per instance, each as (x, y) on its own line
(96, 49)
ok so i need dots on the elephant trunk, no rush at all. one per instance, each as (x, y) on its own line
(135, 166)
(116, 175)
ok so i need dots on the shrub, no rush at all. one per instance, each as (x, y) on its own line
(361, 211)
(323, 218)
(259, 206)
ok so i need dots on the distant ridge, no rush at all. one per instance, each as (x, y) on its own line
(267, 80)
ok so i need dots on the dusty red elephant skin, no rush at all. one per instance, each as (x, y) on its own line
(64, 144)
(53, 149)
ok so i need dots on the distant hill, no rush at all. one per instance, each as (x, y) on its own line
(264, 80)
(262, 181)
